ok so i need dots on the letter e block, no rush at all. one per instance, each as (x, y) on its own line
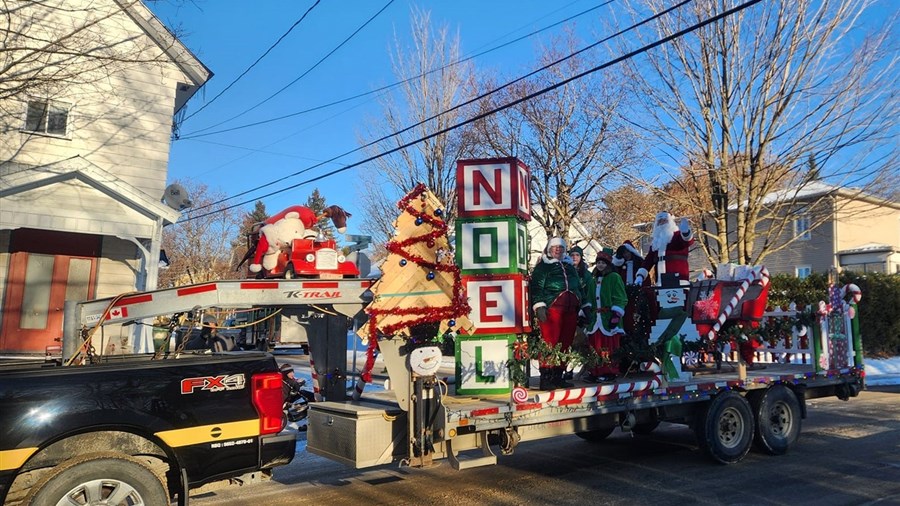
(499, 303)
(493, 187)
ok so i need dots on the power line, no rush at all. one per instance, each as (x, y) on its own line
(503, 107)
(196, 134)
(301, 76)
(458, 106)
(238, 78)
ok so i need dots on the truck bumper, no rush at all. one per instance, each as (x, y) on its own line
(277, 450)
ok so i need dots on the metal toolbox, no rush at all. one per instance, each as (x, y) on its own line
(361, 434)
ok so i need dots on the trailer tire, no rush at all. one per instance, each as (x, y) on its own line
(107, 478)
(595, 436)
(725, 428)
(645, 428)
(778, 419)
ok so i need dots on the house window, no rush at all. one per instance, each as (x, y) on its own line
(47, 117)
(803, 271)
(801, 228)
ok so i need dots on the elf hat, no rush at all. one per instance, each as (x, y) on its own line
(576, 250)
(556, 241)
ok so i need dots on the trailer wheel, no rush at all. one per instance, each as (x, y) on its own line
(595, 436)
(113, 479)
(645, 428)
(777, 419)
(725, 428)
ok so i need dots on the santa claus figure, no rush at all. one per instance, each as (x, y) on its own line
(669, 249)
(278, 234)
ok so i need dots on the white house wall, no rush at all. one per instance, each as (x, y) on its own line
(120, 122)
(74, 206)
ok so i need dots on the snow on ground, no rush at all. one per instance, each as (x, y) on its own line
(880, 372)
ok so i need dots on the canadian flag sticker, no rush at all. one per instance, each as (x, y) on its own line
(118, 312)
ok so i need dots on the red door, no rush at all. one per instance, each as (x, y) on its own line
(37, 287)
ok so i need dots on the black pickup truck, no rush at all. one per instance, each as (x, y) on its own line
(132, 430)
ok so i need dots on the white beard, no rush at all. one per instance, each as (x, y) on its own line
(662, 235)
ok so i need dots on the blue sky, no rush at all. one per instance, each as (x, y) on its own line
(227, 37)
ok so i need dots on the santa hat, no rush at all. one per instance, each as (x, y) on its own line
(630, 247)
(556, 241)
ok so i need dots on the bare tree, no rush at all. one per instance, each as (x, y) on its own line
(778, 97)
(431, 85)
(200, 249)
(571, 138)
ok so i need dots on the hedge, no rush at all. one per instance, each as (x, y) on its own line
(879, 309)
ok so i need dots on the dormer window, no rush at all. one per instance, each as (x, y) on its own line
(47, 117)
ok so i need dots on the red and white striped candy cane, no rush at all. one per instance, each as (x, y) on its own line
(853, 290)
(729, 308)
(315, 380)
(358, 389)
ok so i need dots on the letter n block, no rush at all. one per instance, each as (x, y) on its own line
(481, 364)
(492, 187)
(496, 245)
(499, 303)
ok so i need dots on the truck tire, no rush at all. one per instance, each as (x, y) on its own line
(645, 428)
(725, 428)
(289, 272)
(595, 436)
(110, 479)
(777, 412)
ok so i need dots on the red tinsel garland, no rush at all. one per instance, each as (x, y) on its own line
(459, 305)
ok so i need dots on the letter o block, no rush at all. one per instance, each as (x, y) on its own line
(492, 187)
(491, 246)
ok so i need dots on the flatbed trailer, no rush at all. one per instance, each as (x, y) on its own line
(729, 409)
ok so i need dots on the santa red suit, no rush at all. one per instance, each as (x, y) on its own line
(674, 242)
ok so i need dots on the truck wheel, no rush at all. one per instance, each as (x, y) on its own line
(725, 428)
(289, 272)
(777, 420)
(109, 479)
(595, 436)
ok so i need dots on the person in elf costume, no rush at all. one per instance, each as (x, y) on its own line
(555, 291)
(586, 318)
(606, 336)
(627, 262)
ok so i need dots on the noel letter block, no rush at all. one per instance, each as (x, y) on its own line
(499, 304)
(492, 187)
(497, 245)
(481, 364)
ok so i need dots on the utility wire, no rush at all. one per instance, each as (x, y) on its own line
(458, 106)
(238, 78)
(301, 76)
(197, 133)
(530, 96)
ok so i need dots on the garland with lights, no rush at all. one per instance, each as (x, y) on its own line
(458, 306)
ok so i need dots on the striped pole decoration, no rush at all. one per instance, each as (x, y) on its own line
(315, 380)
(585, 393)
(358, 389)
(760, 273)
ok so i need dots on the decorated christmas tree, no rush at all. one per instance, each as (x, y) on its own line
(420, 285)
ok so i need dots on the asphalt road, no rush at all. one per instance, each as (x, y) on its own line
(848, 454)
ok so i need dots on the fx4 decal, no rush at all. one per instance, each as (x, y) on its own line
(213, 383)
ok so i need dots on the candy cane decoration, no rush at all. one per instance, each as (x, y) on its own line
(358, 389)
(853, 290)
(315, 380)
(760, 273)
(585, 393)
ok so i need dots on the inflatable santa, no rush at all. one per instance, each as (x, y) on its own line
(669, 249)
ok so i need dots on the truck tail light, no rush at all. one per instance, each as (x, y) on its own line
(269, 402)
